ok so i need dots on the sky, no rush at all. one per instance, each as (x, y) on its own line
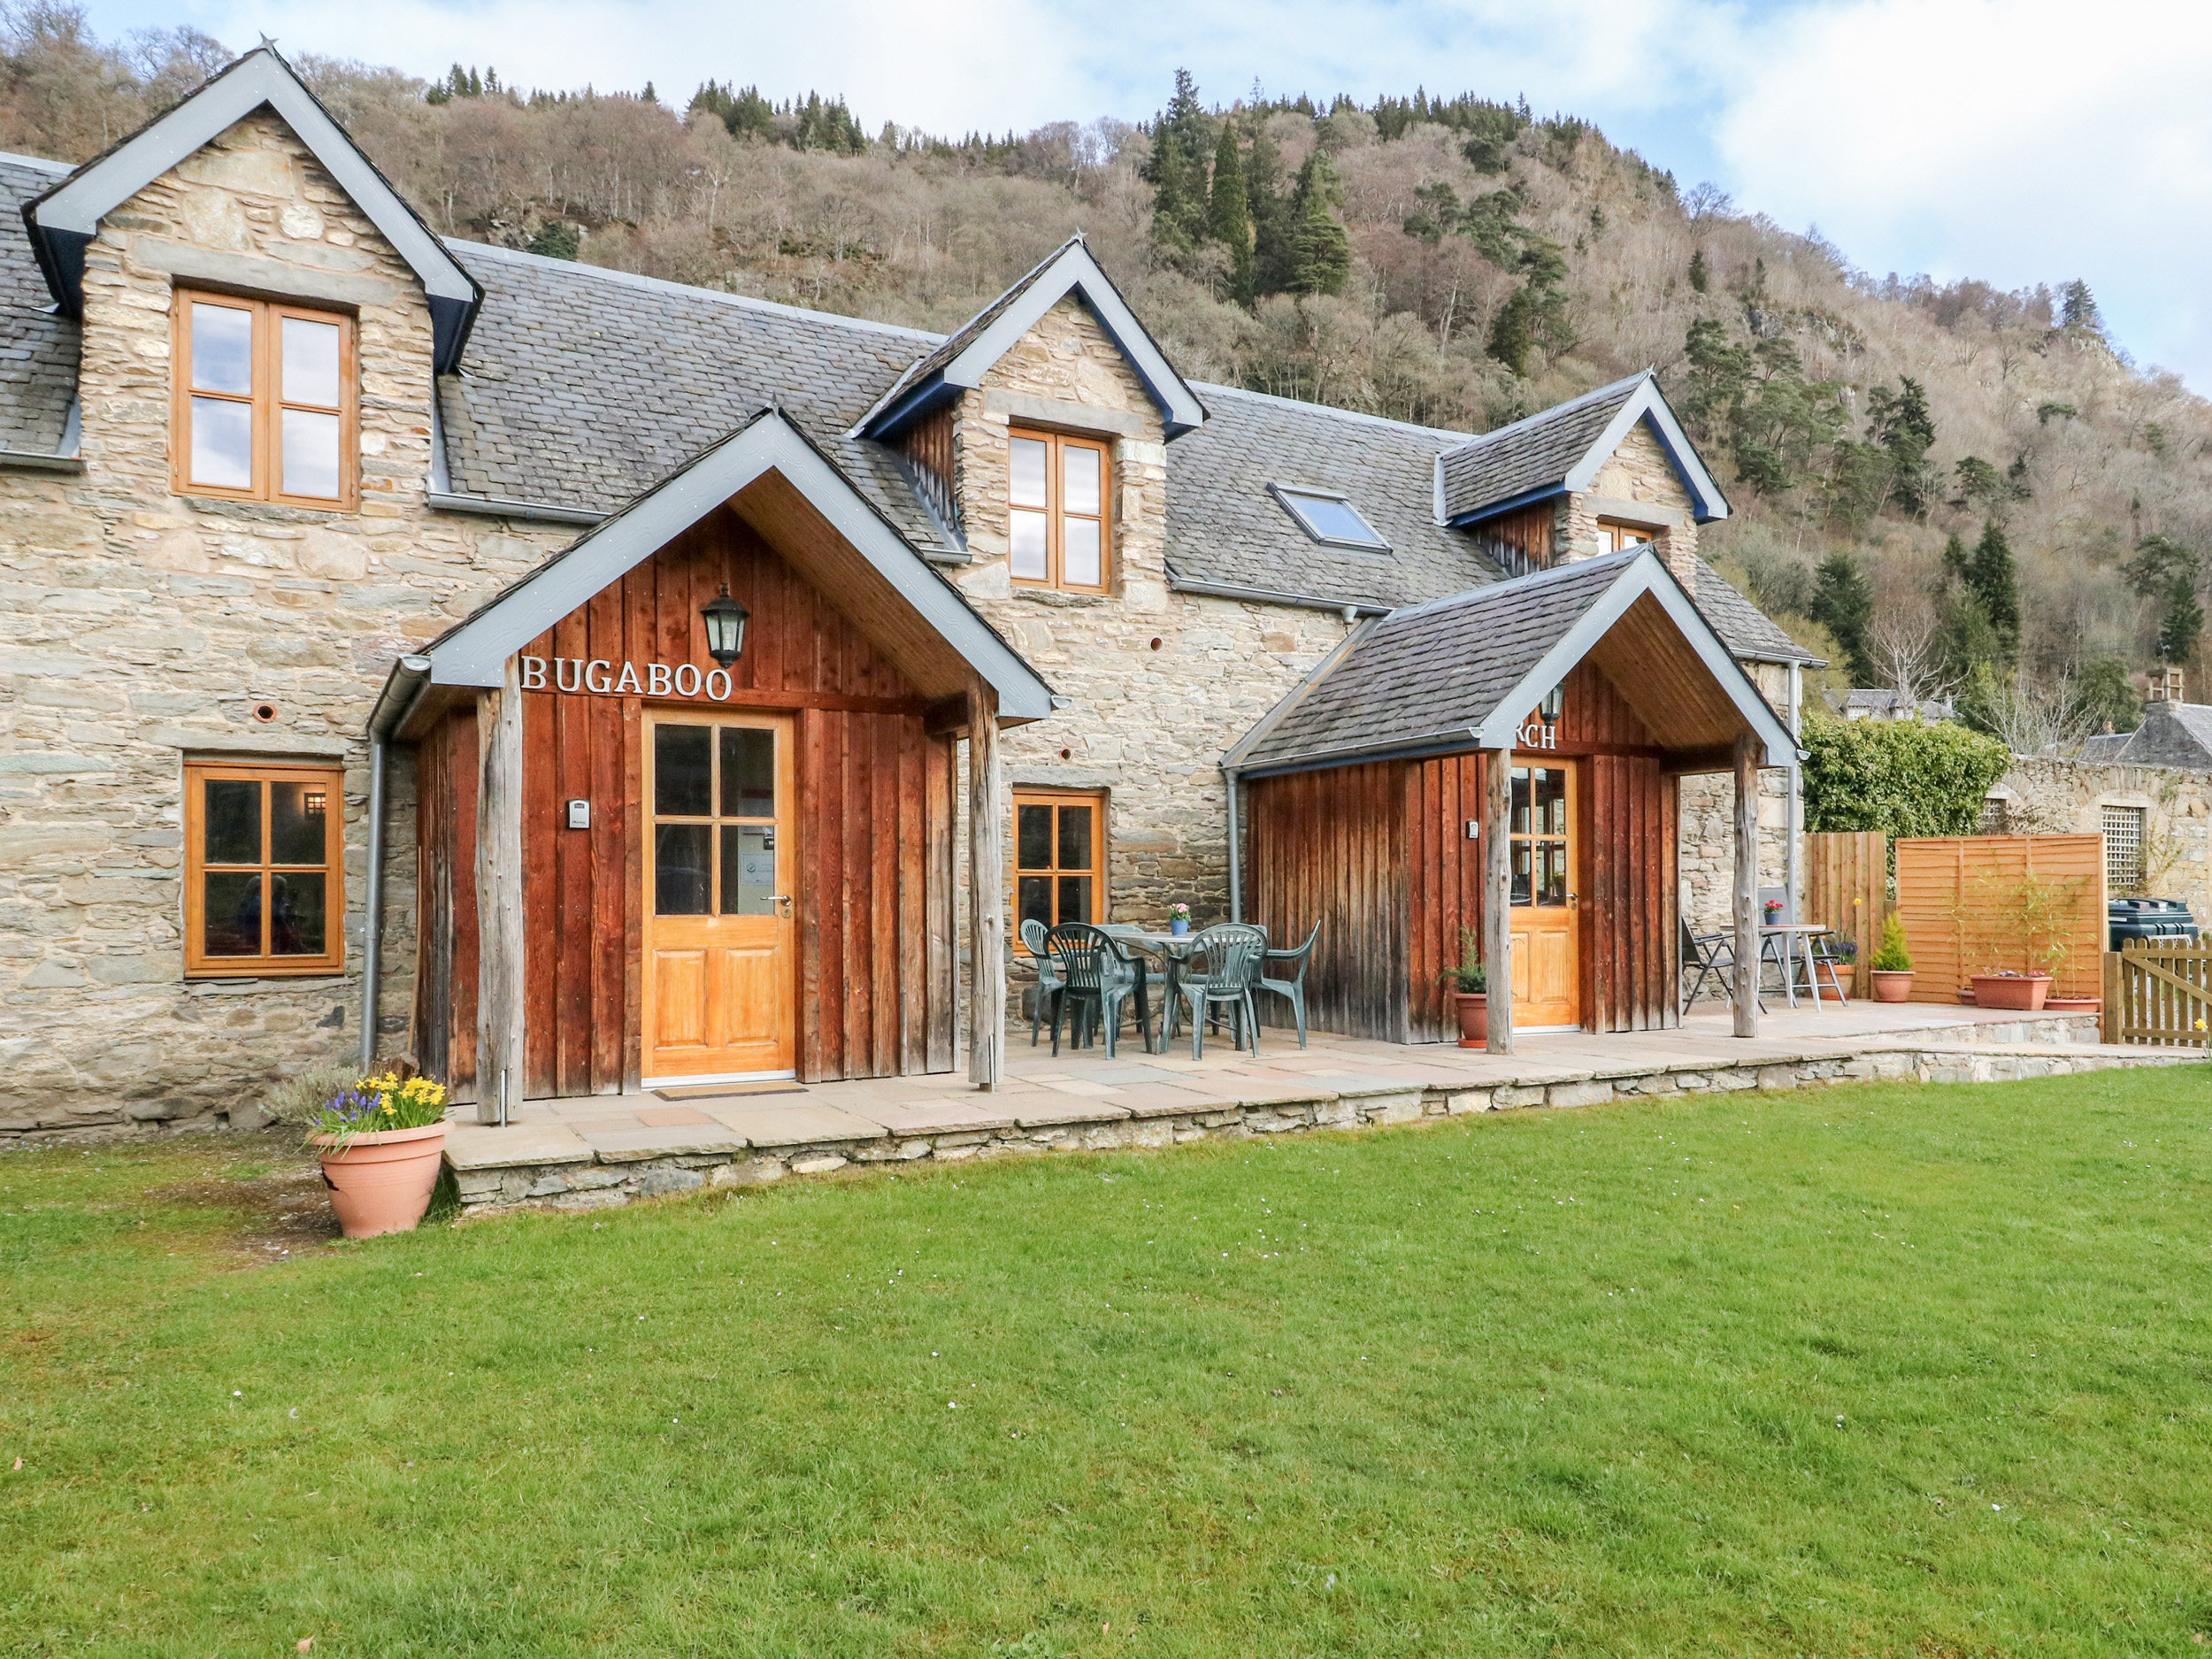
(2016, 141)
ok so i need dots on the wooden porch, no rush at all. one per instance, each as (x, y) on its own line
(590, 1152)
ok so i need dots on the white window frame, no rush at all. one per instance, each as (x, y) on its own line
(1289, 496)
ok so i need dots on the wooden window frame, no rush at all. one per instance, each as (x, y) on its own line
(197, 964)
(264, 400)
(1096, 800)
(1057, 443)
(1618, 532)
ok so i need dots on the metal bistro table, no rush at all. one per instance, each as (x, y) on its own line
(1173, 950)
(1787, 943)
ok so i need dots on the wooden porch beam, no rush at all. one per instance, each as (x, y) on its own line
(1497, 894)
(986, 892)
(1746, 894)
(499, 933)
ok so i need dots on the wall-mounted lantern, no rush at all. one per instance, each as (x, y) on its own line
(1554, 700)
(726, 626)
(314, 803)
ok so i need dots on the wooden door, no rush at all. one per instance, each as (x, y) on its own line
(1547, 903)
(720, 862)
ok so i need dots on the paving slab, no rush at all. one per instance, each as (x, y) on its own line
(488, 1147)
(636, 1145)
(921, 1118)
(668, 1116)
(766, 1125)
(1073, 1111)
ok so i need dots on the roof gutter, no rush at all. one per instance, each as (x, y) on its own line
(501, 506)
(403, 688)
(1260, 596)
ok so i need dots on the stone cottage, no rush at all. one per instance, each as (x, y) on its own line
(581, 682)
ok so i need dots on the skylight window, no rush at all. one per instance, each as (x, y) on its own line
(1330, 519)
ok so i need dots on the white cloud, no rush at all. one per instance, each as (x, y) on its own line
(2021, 142)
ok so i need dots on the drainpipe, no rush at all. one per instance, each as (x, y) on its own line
(1236, 853)
(1797, 783)
(403, 688)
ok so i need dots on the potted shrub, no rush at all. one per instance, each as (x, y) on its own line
(1891, 966)
(1470, 982)
(1178, 919)
(380, 1142)
(2039, 908)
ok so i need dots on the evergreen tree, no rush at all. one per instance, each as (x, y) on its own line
(2165, 569)
(2181, 625)
(1229, 213)
(1699, 276)
(1843, 602)
(557, 241)
(2077, 312)
(1995, 583)
(2104, 698)
(1177, 171)
(1271, 212)
(1513, 331)
(1320, 250)
(1900, 422)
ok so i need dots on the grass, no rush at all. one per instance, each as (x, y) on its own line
(1867, 1371)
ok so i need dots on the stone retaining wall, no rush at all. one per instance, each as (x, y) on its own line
(593, 1183)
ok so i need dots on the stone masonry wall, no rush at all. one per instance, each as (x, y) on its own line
(144, 628)
(2058, 797)
(1638, 485)
(1160, 683)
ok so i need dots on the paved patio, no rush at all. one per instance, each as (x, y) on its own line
(604, 1149)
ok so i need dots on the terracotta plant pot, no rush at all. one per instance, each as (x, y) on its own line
(382, 1182)
(1892, 985)
(2073, 1005)
(2022, 993)
(1474, 1018)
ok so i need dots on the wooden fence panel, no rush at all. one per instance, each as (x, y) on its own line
(2159, 991)
(1952, 892)
(1846, 888)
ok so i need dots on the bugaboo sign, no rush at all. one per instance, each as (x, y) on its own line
(598, 676)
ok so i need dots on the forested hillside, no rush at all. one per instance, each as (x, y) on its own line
(1942, 487)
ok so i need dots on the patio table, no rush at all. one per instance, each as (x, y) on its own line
(1173, 950)
(1784, 944)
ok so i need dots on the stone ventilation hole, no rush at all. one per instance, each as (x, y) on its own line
(1156, 645)
(264, 712)
(1067, 754)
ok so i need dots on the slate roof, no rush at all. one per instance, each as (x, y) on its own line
(1411, 680)
(1531, 454)
(2172, 734)
(38, 346)
(583, 388)
(1748, 631)
(1225, 529)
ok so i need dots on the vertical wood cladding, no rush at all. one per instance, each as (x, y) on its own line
(927, 445)
(1380, 855)
(1521, 542)
(1330, 847)
(446, 780)
(872, 821)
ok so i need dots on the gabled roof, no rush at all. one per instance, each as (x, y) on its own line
(39, 345)
(1465, 672)
(65, 218)
(1562, 449)
(967, 355)
(772, 475)
(2172, 734)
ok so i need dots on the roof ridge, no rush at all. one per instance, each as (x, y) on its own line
(661, 285)
(1361, 416)
(1558, 410)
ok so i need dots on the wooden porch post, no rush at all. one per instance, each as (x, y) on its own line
(1747, 884)
(499, 1009)
(1497, 894)
(986, 892)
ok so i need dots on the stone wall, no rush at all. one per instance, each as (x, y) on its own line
(1706, 858)
(1160, 684)
(145, 627)
(2045, 797)
(1637, 485)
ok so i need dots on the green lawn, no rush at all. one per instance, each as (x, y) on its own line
(1869, 1370)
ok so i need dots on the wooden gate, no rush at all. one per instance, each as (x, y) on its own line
(2159, 991)
(1846, 888)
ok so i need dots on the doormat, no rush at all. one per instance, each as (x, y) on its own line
(716, 1091)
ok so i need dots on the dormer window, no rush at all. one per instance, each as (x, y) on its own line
(265, 401)
(1619, 538)
(1056, 529)
(1330, 519)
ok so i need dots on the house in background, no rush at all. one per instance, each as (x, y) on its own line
(586, 683)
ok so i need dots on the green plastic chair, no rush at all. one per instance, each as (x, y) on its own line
(1291, 964)
(1033, 932)
(1233, 953)
(1095, 979)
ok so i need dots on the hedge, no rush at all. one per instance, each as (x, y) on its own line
(1902, 777)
